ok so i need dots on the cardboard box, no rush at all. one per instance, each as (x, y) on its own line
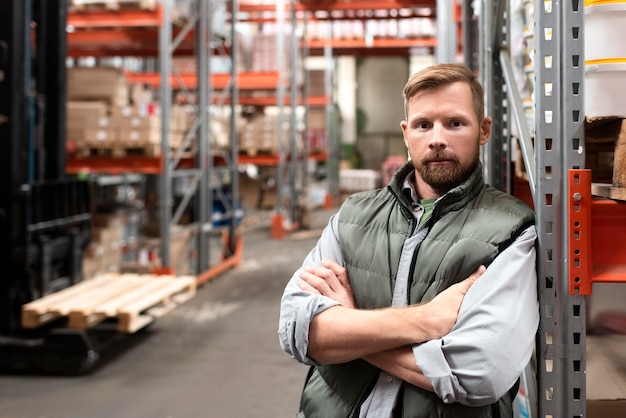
(606, 376)
(99, 84)
(604, 152)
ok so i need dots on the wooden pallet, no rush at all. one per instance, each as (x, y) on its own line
(153, 150)
(133, 300)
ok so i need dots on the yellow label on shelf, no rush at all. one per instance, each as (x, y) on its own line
(601, 2)
(601, 61)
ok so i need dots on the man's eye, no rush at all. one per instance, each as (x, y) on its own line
(456, 123)
(423, 125)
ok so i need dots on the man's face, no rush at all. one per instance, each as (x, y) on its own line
(443, 135)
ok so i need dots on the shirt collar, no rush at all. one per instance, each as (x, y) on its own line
(408, 189)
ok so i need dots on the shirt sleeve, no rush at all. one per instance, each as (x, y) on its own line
(485, 352)
(297, 307)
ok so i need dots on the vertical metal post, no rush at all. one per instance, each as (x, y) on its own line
(486, 71)
(572, 120)
(305, 105)
(234, 134)
(446, 32)
(332, 164)
(165, 199)
(469, 35)
(280, 98)
(500, 131)
(203, 37)
(548, 206)
(293, 143)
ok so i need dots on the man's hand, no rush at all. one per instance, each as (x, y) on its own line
(329, 280)
(443, 309)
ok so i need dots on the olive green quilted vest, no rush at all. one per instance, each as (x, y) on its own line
(469, 226)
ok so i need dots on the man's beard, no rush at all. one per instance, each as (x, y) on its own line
(443, 177)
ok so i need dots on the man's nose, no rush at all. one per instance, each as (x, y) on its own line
(437, 140)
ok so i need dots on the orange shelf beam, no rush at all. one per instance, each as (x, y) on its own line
(245, 81)
(380, 43)
(90, 19)
(119, 165)
(113, 165)
(313, 101)
(597, 236)
(153, 165)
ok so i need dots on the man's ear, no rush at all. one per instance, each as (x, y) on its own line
(404, 125)
(485, 130)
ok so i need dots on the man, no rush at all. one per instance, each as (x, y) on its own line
(381, 308)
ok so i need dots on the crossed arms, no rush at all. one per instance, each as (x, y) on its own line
(382, 337)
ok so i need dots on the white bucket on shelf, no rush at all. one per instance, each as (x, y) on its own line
(605, 88)
(605, 29)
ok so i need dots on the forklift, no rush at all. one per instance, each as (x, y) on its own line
(45, 215)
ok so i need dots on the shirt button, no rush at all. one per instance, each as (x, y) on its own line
(389, 379)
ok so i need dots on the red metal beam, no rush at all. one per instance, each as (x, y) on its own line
(245, 81)
(596, 236)
(120, 18)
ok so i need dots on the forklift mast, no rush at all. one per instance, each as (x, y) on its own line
(45, 215)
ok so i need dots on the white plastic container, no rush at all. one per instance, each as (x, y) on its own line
(605, 89)
(605, 29)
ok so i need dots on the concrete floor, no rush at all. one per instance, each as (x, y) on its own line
(215, 356)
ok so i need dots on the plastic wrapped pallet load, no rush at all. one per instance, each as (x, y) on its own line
(605, 58)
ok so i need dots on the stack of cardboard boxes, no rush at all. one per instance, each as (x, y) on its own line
(106, 113)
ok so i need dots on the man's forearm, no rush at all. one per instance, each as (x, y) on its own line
(400, 362)
(341, 334)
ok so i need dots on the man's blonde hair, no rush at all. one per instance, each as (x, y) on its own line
(440, 75)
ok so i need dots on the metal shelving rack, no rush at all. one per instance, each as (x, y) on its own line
(150, 34)
(554, 165)
(204, 176)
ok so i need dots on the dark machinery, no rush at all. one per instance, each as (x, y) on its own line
(44, 214)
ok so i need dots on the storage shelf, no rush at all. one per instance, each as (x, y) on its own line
(366, 8)
(123, 41)
(311, 101)
(135, 32)
(376, 45)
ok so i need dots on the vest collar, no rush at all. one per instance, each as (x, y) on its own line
(455, 199)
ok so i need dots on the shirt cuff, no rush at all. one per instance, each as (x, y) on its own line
(431, 360)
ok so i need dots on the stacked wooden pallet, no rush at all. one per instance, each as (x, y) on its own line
(134, 301)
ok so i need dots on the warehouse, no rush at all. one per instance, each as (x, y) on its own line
(169, 164)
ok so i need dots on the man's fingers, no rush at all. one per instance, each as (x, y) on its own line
(327, 275)
(338, 271)
(304, 285)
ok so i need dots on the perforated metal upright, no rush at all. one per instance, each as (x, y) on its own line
(559, 148)
(553, 159)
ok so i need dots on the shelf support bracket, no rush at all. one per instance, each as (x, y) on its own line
(579, 231)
